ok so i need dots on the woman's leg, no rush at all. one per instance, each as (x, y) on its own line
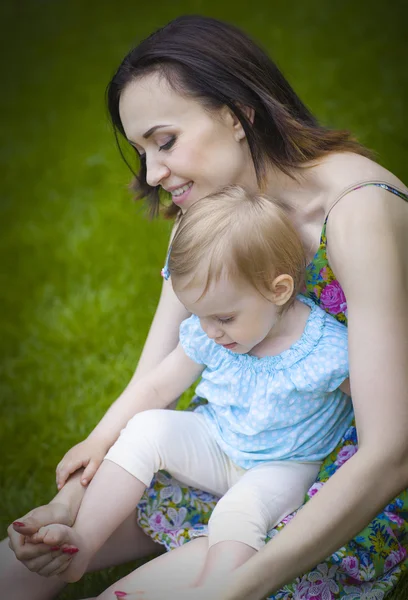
(126, 544)
(177, 569)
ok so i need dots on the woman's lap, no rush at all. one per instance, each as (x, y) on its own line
(369, 566)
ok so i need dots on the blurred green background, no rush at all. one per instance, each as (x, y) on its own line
(80, 264)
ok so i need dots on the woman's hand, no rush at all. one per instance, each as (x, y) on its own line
(87, 454)
(38, 557)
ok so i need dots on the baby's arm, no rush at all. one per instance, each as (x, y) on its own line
(114, 492)
(345, 387)
(162, 340)
(158, 389)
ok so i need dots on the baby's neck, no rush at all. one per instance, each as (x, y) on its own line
(285, 333)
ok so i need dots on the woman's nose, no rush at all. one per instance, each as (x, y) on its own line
(156, 172)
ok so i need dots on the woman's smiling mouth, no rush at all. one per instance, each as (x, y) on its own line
(179, 195)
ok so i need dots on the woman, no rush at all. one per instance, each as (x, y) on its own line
(204, 107)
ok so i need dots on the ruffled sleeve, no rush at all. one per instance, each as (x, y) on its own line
(329, 364)
(194, 341)
(326, 366)
(334, 353)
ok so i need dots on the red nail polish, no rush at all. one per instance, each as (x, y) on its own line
(19, 524)
(70, 550)
(54, 548)
(120, 594)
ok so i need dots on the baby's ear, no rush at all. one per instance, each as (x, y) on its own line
(282, 289)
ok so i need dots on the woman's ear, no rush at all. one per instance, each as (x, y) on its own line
(282, 289)
(238, 130)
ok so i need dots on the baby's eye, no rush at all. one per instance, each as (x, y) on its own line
(168, 144)
(225, 320)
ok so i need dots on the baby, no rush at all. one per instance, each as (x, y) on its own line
(274, 371)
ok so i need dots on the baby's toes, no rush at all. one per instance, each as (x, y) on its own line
(55, 535)
(36, 538)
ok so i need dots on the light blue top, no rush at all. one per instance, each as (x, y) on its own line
(284, 407)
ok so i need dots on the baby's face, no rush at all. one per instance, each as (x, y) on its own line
(232, 313)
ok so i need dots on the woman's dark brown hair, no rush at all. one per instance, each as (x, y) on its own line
(218, 65)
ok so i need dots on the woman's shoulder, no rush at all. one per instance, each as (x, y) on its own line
(367, 226)
(367, 193)
(340, 172)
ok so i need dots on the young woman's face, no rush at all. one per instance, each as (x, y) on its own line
(189, 151)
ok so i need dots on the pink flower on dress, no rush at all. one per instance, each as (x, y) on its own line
(395, 558)
(315, 488)
(350, 565)
(323, 584)
(333, 299)
(317, 291)
(158, 522)
(345, 453)
(323, 273)
(288, 518)
(394, 518)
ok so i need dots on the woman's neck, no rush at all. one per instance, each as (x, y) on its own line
(302, 193)
(305, 197)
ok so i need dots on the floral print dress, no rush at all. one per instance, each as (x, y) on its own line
(370, 565)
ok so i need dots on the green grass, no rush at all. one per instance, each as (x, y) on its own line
(80, 264)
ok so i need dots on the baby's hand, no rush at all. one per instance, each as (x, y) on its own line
(88, 454)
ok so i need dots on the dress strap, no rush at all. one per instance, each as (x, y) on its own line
(361, 184)
(165, 272)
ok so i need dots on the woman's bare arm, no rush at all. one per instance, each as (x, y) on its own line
(161, 340)
(367, 244)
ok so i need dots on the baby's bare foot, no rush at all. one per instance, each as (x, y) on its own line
(70, 542)
(43, 515)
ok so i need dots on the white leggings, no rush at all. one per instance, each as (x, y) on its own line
(253, 501)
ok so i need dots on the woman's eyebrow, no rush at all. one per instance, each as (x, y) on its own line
(150, 131)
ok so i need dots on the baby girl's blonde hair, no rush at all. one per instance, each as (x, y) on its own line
(238, 234)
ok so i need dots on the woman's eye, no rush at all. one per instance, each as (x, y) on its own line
(168, 144)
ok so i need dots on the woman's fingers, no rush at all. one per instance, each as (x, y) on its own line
(20, 531)
(22, 549)
(55, 566)
(25, 551)
(37, 564)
